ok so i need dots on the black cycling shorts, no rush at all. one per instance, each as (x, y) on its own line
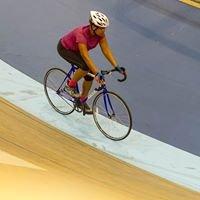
(73, 58)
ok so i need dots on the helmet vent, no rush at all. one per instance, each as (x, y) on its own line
(99, 19)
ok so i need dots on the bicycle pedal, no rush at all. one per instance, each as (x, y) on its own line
(77, 106)
(78, 109)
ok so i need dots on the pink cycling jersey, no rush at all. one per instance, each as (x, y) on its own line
(80, 34)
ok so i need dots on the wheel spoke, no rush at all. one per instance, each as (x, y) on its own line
(116, 127)
(52, 82)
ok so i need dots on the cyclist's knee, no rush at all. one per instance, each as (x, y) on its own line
(88, 78)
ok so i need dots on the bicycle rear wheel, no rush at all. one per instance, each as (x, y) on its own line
(54, 83)
(112, 116)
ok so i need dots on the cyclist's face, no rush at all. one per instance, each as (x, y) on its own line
(100, 31)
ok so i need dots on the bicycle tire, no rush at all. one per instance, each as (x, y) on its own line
(61, 102)
(109, 126)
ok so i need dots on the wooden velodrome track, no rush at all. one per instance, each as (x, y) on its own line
(72, 169)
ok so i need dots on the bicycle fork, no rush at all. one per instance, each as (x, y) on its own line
(108, 104)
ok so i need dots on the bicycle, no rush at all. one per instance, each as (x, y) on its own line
(107, 105)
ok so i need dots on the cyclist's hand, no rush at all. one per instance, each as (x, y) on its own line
(99, 78)
(121, 70)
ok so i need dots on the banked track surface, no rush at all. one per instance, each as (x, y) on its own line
(72, 169)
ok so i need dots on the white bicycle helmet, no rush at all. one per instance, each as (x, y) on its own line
(99, 19)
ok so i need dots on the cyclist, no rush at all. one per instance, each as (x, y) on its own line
(74, 47)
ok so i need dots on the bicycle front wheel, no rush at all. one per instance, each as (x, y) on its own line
(54, 82)
(112, 116)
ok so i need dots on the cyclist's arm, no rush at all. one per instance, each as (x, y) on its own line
(85, 55)
(107, 51)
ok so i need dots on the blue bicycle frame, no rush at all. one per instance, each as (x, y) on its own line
(107, 102)
(68, 75)
(106, 98)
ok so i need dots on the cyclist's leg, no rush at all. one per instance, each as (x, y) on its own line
(76, 59)
(87, 84)
(73, 58)
(79, 73)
